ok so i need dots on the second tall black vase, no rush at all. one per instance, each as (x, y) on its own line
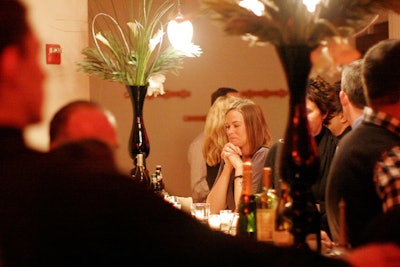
(299, 162)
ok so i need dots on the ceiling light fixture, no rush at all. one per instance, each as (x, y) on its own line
(180, 30)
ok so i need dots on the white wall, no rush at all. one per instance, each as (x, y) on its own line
(61, 22)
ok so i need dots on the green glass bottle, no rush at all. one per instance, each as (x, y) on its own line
(160, 181)
(247, 226)
(155, 185)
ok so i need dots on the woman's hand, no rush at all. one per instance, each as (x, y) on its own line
(231, 154)
(326, 242)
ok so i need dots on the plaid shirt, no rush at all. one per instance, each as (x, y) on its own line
(387, 169)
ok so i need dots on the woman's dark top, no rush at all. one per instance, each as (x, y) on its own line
(327, 144)
(212, 172)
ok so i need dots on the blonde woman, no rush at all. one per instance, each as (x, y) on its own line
(215, 136)
(197, 163)
(249, 139)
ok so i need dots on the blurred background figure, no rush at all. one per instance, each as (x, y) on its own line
(82, 119)
(84, 133)
(249, 139)
(197, 163)
(21, 100)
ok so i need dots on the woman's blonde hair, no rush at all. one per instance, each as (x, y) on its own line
(214, 130)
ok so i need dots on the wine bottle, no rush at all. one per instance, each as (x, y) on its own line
(247, 206)
(141, 173)
(267, 203)
(155, 185)
(160, 180)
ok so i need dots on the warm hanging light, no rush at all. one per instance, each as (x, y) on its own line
(311, 4)
(254, 5)
(180, 31)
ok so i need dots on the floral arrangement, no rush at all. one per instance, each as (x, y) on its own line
(135, 54)
(325, 26)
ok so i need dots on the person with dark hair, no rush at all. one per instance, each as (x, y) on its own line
(21, 99)
(364, 172)
(339, 125)
(222, 91)
(321, 107)
(197, 162)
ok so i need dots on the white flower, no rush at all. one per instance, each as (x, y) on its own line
(102, 39)
(156, 85)
(252, 39)
(134, 28)
(157, 38)
(190, 50)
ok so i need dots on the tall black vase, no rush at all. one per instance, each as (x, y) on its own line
(138, 140)
(299, 162)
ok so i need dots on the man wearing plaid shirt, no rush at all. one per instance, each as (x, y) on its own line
(387, 178)
(368, 157)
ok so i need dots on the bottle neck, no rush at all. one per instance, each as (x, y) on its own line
(267, 178)
(140, 160)
(247, 188)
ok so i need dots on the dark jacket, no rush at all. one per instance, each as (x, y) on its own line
(351, 178)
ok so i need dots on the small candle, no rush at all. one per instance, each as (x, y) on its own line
(201, 211)
(214, 221)
(226, 217)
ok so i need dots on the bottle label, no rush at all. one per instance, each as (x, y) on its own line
(265, 224)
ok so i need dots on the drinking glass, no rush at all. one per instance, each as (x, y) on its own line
(226, 217)
(201, 211)
(233, 229)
